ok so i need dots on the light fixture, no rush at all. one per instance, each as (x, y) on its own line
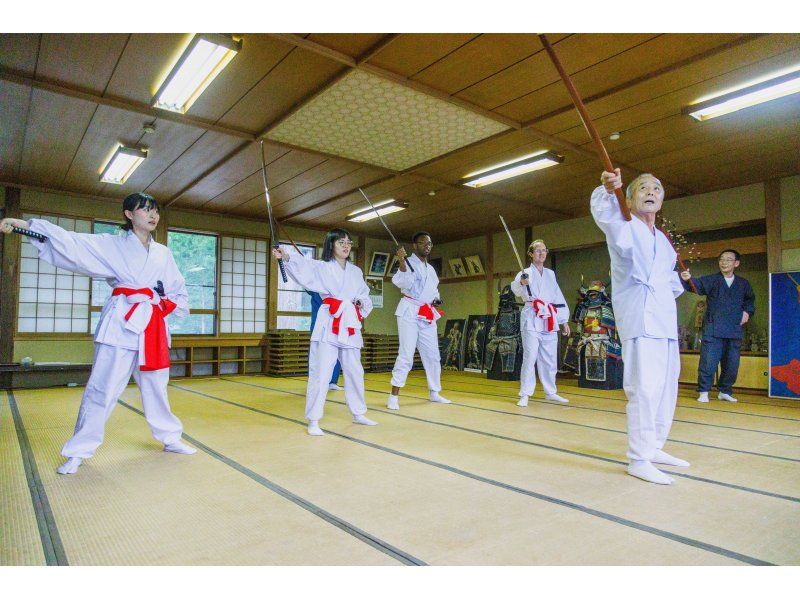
(761, 90)
(614, 136)
(516, 167)
(202, 60)
(382, 208)
(122, 164)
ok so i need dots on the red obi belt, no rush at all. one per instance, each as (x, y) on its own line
(546, 311)
(425, 311)
(153, 348)
(333, 307)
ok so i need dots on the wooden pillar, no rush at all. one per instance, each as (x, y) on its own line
(528, 241)
(9, 282)
(772, 214)
(361, 256)
(160, 234)
(490, 273)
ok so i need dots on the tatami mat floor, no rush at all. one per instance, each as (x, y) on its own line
(478, 482)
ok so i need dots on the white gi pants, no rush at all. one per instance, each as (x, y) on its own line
(321, 360)
(412, 336)
(652, 367)
(110, 375)
(541, 349)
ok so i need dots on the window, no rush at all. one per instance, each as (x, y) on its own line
(243, 288)
(294, 304)
(52, 299)
(196, 257)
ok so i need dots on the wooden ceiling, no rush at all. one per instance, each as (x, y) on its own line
(67, 99)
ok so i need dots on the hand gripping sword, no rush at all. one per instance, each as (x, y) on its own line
(378, 214)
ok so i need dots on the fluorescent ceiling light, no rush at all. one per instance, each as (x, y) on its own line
(381, 208)
(756, 92)
(122, 164)
(204, 58)
(516, 167)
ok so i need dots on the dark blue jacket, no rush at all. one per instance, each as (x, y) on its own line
(725, 305)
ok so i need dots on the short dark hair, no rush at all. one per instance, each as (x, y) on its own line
(134, 202)
(733, 251)
(330, 239)
(419, 234)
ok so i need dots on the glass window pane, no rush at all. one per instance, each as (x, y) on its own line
(294, 322)
(192, 324)
(196, 256)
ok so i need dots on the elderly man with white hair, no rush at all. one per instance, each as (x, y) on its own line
(645, 287)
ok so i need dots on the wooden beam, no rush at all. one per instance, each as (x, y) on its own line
(9, 282)
(772, 215)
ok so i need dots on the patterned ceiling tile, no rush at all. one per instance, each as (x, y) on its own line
(370, 119)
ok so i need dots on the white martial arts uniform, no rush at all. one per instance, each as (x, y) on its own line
(416, 323)
(645, 286)
(540, 322)
(347, 285)
(119, 349)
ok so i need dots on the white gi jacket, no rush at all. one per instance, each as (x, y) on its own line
(419, 288)
(124, 262)
(544, 287)
(644, 281)
(346, 284)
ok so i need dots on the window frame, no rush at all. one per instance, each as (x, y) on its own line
(217, 272)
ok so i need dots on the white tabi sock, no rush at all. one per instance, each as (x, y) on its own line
(333, 386)
(646, 471)
(70, 466)
(180, 448)
(393, 402)
(663, 458)
(314, 429)
(364, 421)
(703, 398)
(556, 398)
(724, 396)
(523, 402)
(437, 398)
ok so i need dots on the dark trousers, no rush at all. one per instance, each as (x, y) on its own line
(713, 352)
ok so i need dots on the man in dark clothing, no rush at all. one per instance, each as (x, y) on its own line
(731, 303)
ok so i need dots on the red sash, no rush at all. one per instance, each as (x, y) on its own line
(425, 310)
(551, 319)
(156, 348)
(333, 306)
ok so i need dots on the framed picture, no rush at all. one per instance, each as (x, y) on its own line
(377, 266)
(457, 266)
(375, 286)
(394, 265)
(436, 262)
(473, 265)
(477, 331)
(451, 346)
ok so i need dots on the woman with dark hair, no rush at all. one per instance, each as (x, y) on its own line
(337, 331)
(131, 336)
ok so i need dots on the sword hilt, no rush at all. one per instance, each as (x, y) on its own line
(29, 233)
(281, 266)
(408, 263)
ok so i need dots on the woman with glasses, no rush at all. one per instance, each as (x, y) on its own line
(337, 331)
(545, 312)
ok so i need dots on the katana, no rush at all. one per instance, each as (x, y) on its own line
(516, 253)
(274, 238)
(598, 142)
(29, 233)
(378, 214)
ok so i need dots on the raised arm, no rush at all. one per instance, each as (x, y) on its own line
(518, 286)
(77, 252)
(607, 214)
(303, 271)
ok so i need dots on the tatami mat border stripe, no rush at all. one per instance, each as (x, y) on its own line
(346, 527)
(48, 530)
(564, 503)
(545, 446)
(586, 408)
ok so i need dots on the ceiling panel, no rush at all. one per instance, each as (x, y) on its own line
(352, 44)
(14, 100)
(84, 60)
(18, 51)
(412, 52)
